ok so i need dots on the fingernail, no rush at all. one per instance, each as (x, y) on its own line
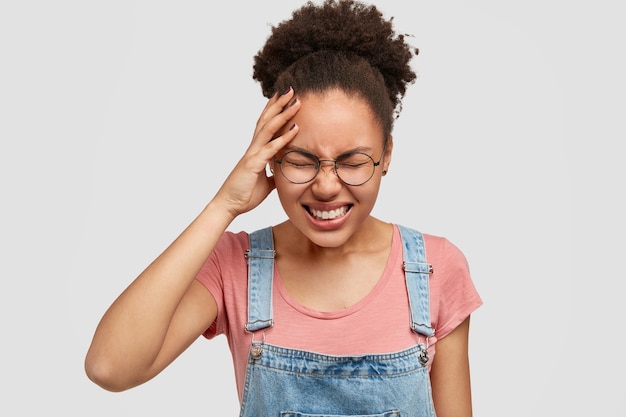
(292, 102)
(292, 126)
(286, 91)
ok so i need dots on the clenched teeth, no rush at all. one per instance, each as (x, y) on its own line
(329, 215)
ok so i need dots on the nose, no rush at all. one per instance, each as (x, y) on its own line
(326, 184)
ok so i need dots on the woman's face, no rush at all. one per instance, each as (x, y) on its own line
(327, 210)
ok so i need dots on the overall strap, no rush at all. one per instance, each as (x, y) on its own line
(417, 271)
(260, 258)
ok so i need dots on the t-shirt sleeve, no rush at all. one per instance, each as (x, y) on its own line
(223, 265)
(454, 295)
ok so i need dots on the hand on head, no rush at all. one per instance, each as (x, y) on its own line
(248, 185)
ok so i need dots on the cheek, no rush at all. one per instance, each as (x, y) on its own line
(279, 180)
(368, 193)
(288, 193)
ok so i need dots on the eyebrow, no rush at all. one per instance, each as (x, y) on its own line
(306, 151)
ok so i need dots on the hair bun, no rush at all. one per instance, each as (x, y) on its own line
(337, 25)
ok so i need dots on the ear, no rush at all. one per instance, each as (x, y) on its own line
(387, 155)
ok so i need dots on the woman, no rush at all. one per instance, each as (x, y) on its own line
(331, 312)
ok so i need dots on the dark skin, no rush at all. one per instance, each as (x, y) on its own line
(165, 309)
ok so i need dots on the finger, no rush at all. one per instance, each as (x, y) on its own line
(279, 142)
(274, 106)
(277, 125)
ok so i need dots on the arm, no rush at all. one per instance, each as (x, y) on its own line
(164, 309)
(160, 313)
(450, 374)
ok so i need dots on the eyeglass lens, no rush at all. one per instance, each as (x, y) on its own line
(354, 168)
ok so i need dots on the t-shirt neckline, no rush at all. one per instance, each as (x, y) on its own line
(392, 261)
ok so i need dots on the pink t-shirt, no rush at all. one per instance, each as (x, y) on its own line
(379, 323)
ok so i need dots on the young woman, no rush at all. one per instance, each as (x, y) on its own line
(331, 312)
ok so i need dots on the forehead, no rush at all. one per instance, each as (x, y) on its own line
(333, 122)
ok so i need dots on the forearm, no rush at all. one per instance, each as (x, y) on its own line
(132, 332)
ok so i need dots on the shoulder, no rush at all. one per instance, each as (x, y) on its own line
(453, 293)
(438, 247)
(447, 260)
(227, 254)
(450, 266)
(442, 249)
(232, 241)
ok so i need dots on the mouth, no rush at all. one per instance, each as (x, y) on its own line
(328, 214)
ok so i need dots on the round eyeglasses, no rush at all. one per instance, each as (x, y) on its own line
(352, 168)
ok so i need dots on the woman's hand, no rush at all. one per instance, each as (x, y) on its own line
(248, 184)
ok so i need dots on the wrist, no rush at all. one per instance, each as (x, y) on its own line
(218, 214)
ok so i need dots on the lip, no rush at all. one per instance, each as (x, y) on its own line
(328, 224)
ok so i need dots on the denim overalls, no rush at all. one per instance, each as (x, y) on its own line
(283, 382)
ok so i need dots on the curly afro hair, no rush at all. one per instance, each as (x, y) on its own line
(339, 44)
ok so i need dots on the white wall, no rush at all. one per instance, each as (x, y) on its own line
(120, 119)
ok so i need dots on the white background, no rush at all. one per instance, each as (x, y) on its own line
(120, 119)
